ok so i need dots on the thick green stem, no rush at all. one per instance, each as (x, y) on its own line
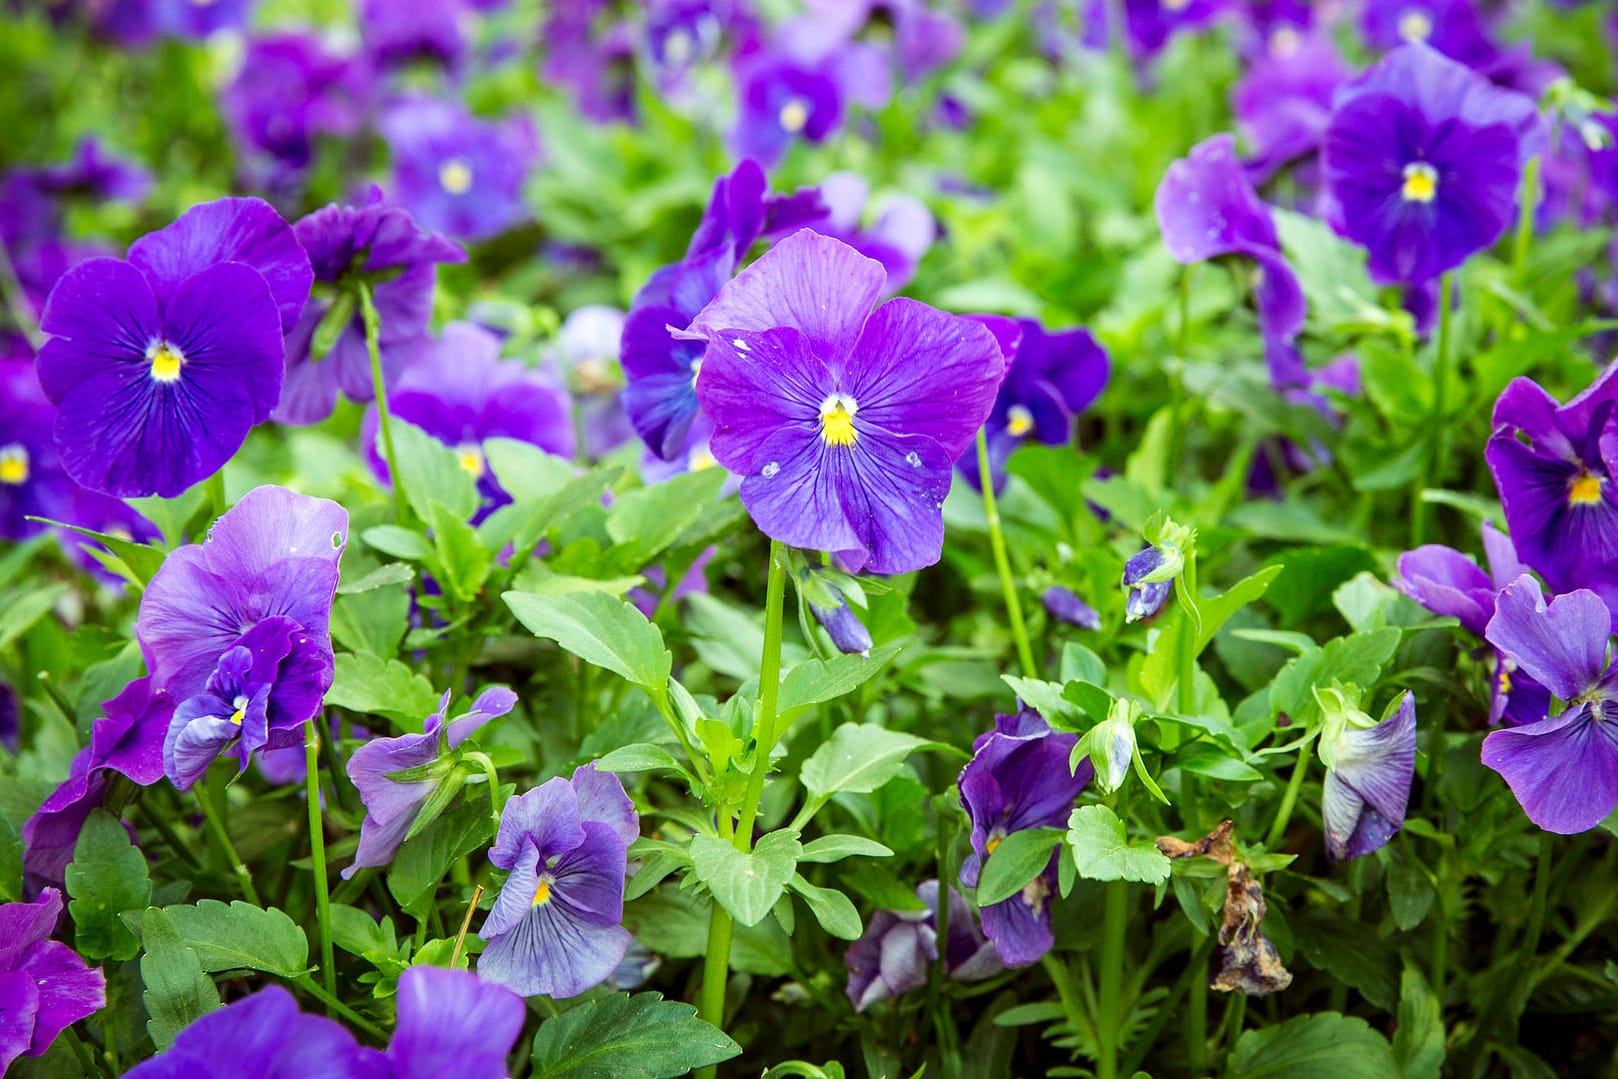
(244, 879)
(373, 338)
(1289, 800)
(215, 486)
(317, 851)
(1433, 469)
(1109, 1019)
(1002, 564)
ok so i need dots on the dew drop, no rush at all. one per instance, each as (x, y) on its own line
(769, 470)
(741, 346)
(913, 459)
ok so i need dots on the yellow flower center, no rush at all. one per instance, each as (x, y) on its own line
(455, 176)
(542, 891)
(793, 116)
(166, 361)
(470, 458)
(1584, 491)
(1505, 679)
(1019, 421)
(994, 841)
(1421, 182)
(837, 420)
(1415, 25)
(14, 464)
(240, 704)
(701, 459)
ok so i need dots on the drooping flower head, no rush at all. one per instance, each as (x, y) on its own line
(1563, 768)
(845, 422)
(44, 986)
(392, 804)
(556, 926)
(894, 953)
(1067, 605)
(1150, 572)
(1556, 467)
(236, 628)
(383, 244)
(1423, 157)
(1369, 768)
(1019, 778)
(160, 365)
(458, 174)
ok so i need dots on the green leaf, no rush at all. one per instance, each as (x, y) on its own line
(171, 515)
(420, 865)
(522, 523)
(10, 861)
(640, 757)
(462, 558)
(389, 573)
(627, 1037)
(859, 758)
(834, 848)
(1353, 660)
(1045, 698)
(399, 542)
(1325, 1045)
(746, 885)
(525, 471)
(372, 621)
(831, 908)
(178, 991)
(1418, 1041)
(601, 630)
(431, 472)
(383, 687)
(818, 680)
(24, 609)
(647, 520)
(1016, 860)
(141, 560)
(107, 877)
(1102, 851)
(881, 888)
(240, 936)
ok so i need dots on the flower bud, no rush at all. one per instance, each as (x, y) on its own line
(1065, 604)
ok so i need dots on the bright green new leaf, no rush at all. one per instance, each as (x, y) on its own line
(383, 687)
(746, 885)
(834, 848)
(1102, 851)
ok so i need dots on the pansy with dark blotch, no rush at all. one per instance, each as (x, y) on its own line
(461, 392)
(236, 629)
(400, 32)
(897, 949)
(1148, 25)
(844, 421)
(660, 397)
(381, 243)
(44, 986)
(1207, 208)
(1555, 467)
(1054, 376)
(1019, 778)
(459, 174)
(1423, 157)
(160, 365)
(1562, 768)
(556, 926)
(1369, 768)
(391, 805)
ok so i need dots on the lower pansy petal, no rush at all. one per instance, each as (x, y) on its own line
(553, 954)
(892, 491)
(1020, 927)
(795, 495)
(19, 1005)
(69, 990)
(1563, 770)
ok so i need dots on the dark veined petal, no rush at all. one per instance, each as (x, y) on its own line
(224, 321)
(890, 959)
(1446, 582)
(1562, 646)
(1556, 535)
(21, 924)
(516, 896)
(451, 1022)
(892, 489)
(754, 386)
(187, 619)
(550, 951)
(1563, 770)
(101, 317)
(589, 879)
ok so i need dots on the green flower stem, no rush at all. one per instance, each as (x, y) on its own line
(1433, 468)
(1195, 982)
(1235, 1019)
(373, 338)
(312, 987)
(1528, 201)
(244, 879)
(1188, 641)
(317, 847)
(1002, 564)
(1109, 1020)
(1289, 800)
(716, 964)
(1536, 912)
(215, 486)
(17, 301)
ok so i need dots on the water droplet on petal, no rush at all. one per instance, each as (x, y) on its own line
(913, 459)
(769, 470)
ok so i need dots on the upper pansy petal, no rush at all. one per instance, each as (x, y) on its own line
(1446, 582)
(1206, 207)
(1562, 646)
(1563, 770)
(271, 525)
(101, 316)
(589, 879)
(492, 703)
(224, 322)
(602, 799)
(546, 817)
(19, 1007)
(920, 371)
(811, 283)
(451, 1022)
(241, 230)
(21, 924)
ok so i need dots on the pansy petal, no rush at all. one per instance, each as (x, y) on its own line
(451, 1022)
(1563, 770)
(270, 525)
(22, 924)
(69, 990)
(224, 322)
(492, 703)
(602, 799)
(549, 952)
(19, 1007)
(1020, 927)
(1446, 582)
(546, 818)
(101, 317)
(1563, 646)
(794, 494)
(754, 384)
(892, 489)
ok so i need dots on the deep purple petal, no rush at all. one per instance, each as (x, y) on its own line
(794, 494)
(69, 990)
(1368, 789)
(451, 1022)
(19, 1007)
(754, 385)
(1020, 927)
(24, 924)
(1562, 646)
(1446, 582)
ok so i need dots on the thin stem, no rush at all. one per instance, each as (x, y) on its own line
(1188, 642)
(373, 337)
(1194, 981)
(1072, 1008)
(330, 1000)
(1528, 202)
(215, 486)
(769, 688)
(1109, 1018)
(317, 848)
(1278, 829)
(17, 300)
(155, 818)
(1235, 1018)
(1433, 469)
(1182, 348)
(1536, 912)
(243, 878)
(1002, 564)
(466, 924)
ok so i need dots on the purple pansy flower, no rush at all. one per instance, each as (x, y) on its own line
(32, 481)
(10, 718)
(1452, 27)
(1369, 768)
(595, 65)
(1207, 208)
(1563, 768)
(452, 1022)
(556, 926)
(398, 32)
(844, 421)
(1019, 778)
(1423, 157)
(1142, 597)
(1558, 487)
(462, 393)
(900, 231)
(1065, 604)
(391, 805)
(289, 91)
(1148, 24)
(44, 986)
(781, 99)
(457, 174)
(382, 243)
(585, 357)
(1053, 377)
(1283, 102)
(160, 365)
(893, 954)
(235, 628)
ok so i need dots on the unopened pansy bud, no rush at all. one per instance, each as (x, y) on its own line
(1065, 604)
(827, 589)
(847, 632)
(1369, 768)
(1144, 591)
(1112, 745)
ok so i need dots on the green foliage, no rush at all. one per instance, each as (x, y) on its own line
(239, 936)
(106, 878)
(601, 630)
(746, 884)
(627, 1037)
(178, 990)
(859, 758)
(1102, 851)
(1320, 1046)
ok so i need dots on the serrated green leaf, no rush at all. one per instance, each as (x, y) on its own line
(831, 908)
(1102, 851)
(627, 1037)
(1016, 860)
(601, 630)
(383, 687)
(178, 991)
(746, 884)
(240, 936)
(859, 758)
(1325, 1045)
(107, 877)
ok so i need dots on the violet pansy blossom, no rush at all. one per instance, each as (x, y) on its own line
(556, 926)
(458, 174)
(161, 365)
(1563, 768)
(291, 90)
(236, 628)
(1369, 768)
(392, 775)
(32, 480)
(1019, 778)
(44, 986)
(1283, 102)
(844, 422)
(1452, 27)
(585, 357)
(893, 955)
(897, 231)
(1558, 487)
(1423, 157)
